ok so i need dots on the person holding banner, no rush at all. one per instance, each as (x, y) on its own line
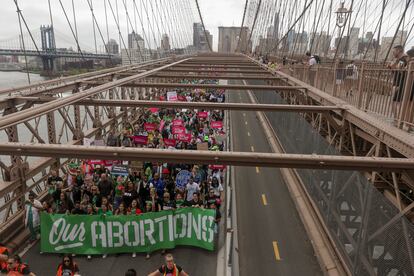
(170, 268)
(121, 209)
(32, 215)
(105, 185)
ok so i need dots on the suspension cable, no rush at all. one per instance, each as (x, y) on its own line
(241, 27)
(202, 24)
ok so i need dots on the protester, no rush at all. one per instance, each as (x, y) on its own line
(170, 268)
(52, 181)
(64, 205)
(150, 186)
(195, 201)
(67, 267)
(32, 215)
(311, 62)
(399, 63)
(130, 194)
(4, 255)
(105, 186)
(351, 78)
(15, 264)
(190, 189)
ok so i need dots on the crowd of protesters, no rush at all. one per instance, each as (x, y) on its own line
(92, 187)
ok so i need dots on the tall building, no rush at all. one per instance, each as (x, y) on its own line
(200, 41)
(353, 42)
(276, 27)
(165, 43)
(320, 43)
(112, 47)
(197, 34)
(205, 42)
(229, 38)
(135, 41)
(388, 43)
(131, 56)
(341, 45)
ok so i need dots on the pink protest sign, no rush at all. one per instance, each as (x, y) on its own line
(172, 96)
(140, 139)
(216, 124)
(162, 123)
(217, 167)
(150, 126)
(95, 162)
(177, 123)
(184, 137)
(181, 98)
(154, 109)
(109, 163)
(170, 142)
(178, 130)
(202, 114)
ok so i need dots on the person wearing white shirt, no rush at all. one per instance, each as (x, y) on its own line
(191, 188)
(32, 215)
(217, 188)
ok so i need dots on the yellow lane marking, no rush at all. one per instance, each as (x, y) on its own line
(276, 250)
(264, 199)
(248, 134)
(252, 148)
(257, 170)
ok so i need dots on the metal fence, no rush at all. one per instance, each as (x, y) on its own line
(372, 88)
(371, 233)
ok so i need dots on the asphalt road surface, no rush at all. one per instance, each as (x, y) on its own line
(193, 260)
(272, 238)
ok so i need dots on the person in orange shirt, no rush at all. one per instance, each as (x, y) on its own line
(67, 267)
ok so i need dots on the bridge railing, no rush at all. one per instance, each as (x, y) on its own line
(387, 93)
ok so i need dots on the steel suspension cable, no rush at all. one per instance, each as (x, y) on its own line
(74, 21)
(119, 32)
(294, 24)
(241, 27)
(135, 36)
(21, 34)
(202, 24)
(71, 29)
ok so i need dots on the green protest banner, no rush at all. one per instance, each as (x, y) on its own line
(99, 234)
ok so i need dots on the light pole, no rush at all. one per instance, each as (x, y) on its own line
(341, 20)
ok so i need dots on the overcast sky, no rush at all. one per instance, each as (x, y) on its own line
(215, 13)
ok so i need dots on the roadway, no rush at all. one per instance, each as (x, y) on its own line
(193, 260)
(272, 238)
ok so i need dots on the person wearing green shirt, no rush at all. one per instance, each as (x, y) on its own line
(119, 191)
(104, 211)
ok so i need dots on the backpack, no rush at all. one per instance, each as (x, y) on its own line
(317, 58)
